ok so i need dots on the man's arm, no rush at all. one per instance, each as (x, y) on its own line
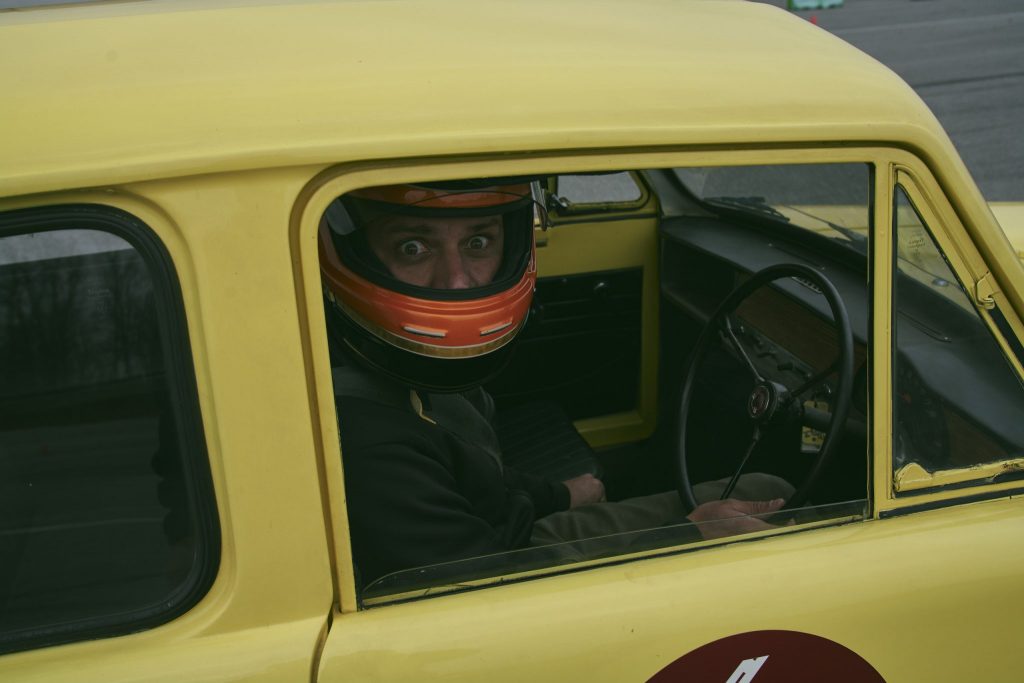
(547, 496)
(407, 510)
(720, 518)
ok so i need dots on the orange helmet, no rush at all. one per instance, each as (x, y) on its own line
(439, 338)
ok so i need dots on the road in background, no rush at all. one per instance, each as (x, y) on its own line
(965, 58)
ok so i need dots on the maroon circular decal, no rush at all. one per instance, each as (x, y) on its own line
(770, 657)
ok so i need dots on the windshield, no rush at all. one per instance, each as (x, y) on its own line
(830, 199)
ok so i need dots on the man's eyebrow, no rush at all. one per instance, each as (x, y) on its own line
(424, 229)
(409, 229)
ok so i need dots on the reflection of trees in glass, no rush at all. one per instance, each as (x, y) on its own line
(75, 320)
(36, 342)
(85, 419)
(134, 317)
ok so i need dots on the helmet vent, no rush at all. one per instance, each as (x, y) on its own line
(495, 330)
(433, 334)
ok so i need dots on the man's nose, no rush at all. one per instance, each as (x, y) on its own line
(451, 272)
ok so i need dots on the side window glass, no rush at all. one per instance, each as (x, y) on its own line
(957, 401)
(573, 193)
(104, 516)
(457, 470)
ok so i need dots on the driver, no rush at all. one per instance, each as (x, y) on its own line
(426, 288)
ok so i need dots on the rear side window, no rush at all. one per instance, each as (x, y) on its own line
(573, 193)
(107, 520)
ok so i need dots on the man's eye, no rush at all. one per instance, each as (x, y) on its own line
(411, 248)
(477, 242)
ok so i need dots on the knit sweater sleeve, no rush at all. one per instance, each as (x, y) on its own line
(547, 496)
(406, 511)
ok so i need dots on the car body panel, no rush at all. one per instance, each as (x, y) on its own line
(744, 98)
(200, 242)
(259, 653)
(277, 110)
(273, 601)
(649, 609)
(229, 145)
(1011, 218)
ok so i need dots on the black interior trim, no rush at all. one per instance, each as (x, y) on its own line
(1008, 334)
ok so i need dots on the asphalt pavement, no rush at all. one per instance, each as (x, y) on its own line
(965, 58)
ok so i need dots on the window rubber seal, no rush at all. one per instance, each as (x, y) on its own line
(182, 391)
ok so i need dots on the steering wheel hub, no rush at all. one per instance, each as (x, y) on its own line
(760, 404)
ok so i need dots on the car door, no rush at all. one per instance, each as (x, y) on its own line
(874, 580)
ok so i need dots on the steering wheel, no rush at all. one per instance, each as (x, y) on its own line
(770, 404)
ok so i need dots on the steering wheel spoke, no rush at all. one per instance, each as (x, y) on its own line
(730, 336)
(754, 439)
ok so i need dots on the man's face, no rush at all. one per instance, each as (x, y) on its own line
(442, 253)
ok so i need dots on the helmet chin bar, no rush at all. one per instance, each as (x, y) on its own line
(424, 373)
(490, 339)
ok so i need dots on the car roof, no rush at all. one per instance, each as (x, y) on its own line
(113, 92)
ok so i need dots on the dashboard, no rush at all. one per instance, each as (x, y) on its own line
(951, 389)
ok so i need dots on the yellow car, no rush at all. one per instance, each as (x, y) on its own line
(747, 260)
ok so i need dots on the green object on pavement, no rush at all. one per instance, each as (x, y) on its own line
(812, 4)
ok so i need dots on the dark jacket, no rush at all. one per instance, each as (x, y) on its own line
(425, 483)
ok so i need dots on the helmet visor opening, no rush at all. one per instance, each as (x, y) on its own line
(437, 244)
